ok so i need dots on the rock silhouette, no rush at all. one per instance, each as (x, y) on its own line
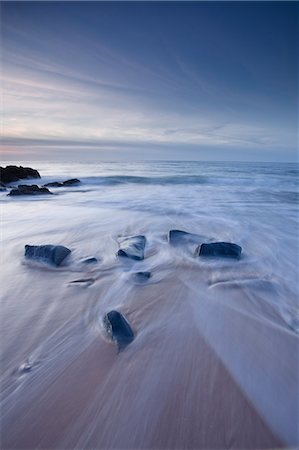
(25, 189)
(53, 184)
(9, 174)
(70, 182)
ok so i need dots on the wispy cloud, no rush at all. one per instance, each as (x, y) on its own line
(183, 89)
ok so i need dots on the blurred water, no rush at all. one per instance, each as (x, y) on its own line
(51, 322)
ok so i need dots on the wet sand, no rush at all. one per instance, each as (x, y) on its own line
(168, 389)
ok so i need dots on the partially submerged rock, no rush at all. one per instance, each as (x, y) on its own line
(85, 281)
(91, 260)
(9, 174)
(53, 254)
(24, 189)
(132, 247)
(118, 329)
(71, 182)
(141, 277)
(53, 184)
(220, 249)
(25, 367)
(179, 237)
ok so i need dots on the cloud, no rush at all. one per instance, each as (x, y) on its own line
(50, 106)
(116, 82)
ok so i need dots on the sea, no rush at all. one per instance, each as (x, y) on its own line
(246, 311)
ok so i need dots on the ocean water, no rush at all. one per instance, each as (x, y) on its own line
(246, 311)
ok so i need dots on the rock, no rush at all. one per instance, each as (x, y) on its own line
(90, 260)
(86, 281)
(141, 277)
(14, 173)
(179, 237)
(24, 189)
(118, 329)
(71, 182)
(132, 247)
(53, 184)
(54, 254)
(2, 187)
(221, 249)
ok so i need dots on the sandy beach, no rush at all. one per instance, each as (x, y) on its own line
(213, 364)
(169, 389)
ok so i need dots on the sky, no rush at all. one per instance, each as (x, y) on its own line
(150, 80)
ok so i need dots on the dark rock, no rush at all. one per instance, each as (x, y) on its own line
(221, 249)
(53, 184)
(2, 187)
(118, 329)
(24, 189)
(132, 247)
(141, 277)
(71, 182)
(90, 260)
(54, 254)
(179, 237)
(87, 281)
(14, 173)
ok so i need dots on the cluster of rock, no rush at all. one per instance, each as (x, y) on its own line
(26, 189)
(116, 325)
(10, 174)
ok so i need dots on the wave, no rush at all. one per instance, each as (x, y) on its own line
(131, 179)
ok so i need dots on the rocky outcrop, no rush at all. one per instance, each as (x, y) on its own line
(24, 189)
(132, 247)
(220, 249)
(118, 329)
(53, 254)
(71, 182)
(9, 174)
